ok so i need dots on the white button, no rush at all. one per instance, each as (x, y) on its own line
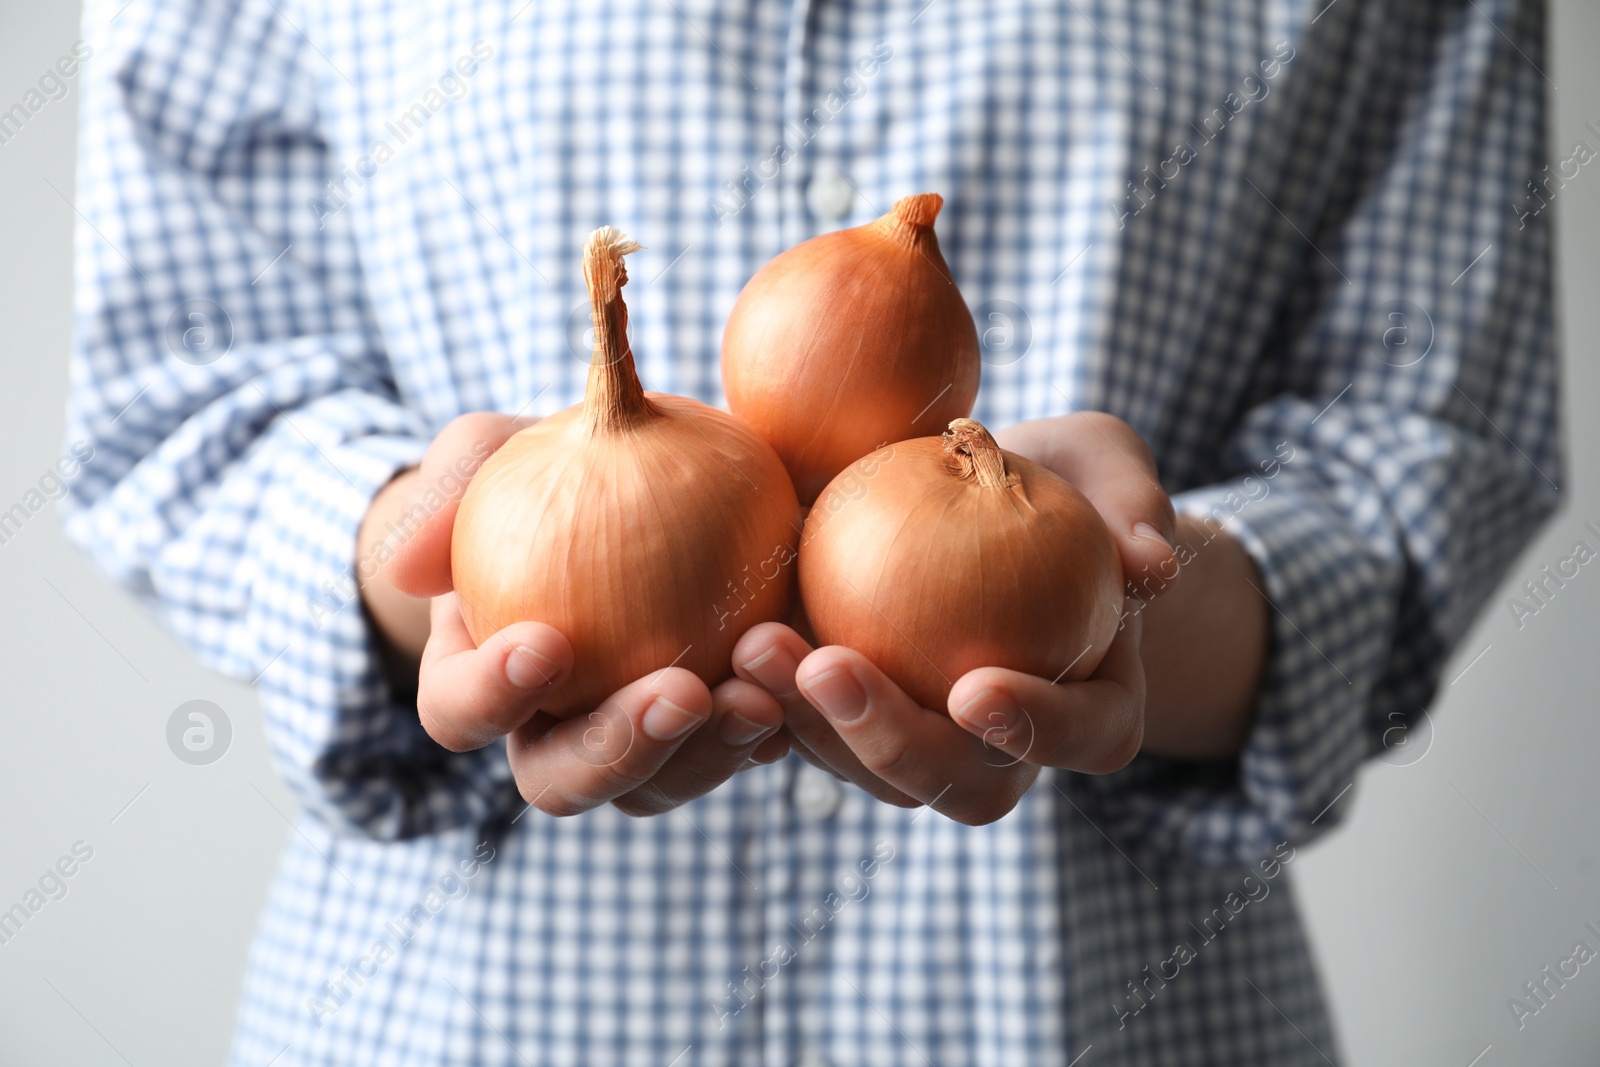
(812, 1059)
(817, 795)
(829, 196)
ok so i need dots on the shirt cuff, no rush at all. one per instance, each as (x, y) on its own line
(1333, 601)
(348, 745)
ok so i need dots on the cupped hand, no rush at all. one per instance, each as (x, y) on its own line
(974, 759)
(655, 744)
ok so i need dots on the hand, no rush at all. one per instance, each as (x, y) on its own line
(974, 760)
(656, 743)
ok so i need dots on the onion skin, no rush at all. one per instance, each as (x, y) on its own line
(930, 573)
(651, 530)
(849, 341)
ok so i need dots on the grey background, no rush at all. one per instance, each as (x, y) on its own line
(1453, 881)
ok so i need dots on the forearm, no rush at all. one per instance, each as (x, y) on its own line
(1204, 649)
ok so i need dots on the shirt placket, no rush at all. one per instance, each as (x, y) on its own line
(819, 827)
(776, 1002)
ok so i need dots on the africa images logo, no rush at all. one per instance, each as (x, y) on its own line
(199, 732)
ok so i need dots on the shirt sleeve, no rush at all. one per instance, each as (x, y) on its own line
(238, 401)
(1415, 450)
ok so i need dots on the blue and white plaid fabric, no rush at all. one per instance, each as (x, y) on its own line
(1294, 243)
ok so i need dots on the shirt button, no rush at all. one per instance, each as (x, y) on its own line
(829, 196)
(812, 1059)
(817, 795)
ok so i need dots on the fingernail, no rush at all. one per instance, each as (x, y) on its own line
(990, 714)
(527, 669)
(665, 721)
(737, 731)
(839, 694)
(1150, 533)
(774, 671)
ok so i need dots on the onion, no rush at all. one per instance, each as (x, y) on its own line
(651, 530)
(935, 557)
(850, 341)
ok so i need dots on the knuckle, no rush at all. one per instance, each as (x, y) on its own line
(1123, 752)
(981, 812)
(643, 802)
(1124, 436)
(558, 805)
(1111, 758)
(990, 805)
(1102, 765)
(472, 424)
(622, 778)
(698, 781)
(892, 757)
(545, 796)
(1118, 429)
(701, 775)
(437, 726)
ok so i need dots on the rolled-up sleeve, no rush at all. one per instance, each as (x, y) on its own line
(1386, 494)
(239, 402)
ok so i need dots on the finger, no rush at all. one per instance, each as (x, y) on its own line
(770, 751)
(916, 750)
(419, 547)
(468, 696)
(742, 716)
(768, 655)
(1095, 726)
(571, 766)
(1109, 463)
(800, 749)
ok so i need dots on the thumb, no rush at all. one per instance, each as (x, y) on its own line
(418, 561)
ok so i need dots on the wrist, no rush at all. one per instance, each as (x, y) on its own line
(1205, 648)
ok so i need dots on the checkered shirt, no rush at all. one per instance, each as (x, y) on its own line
(1301, 246)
